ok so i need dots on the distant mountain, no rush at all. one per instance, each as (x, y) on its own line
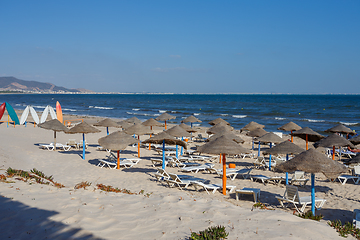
(14, 84)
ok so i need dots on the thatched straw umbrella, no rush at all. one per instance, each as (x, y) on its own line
(290, 126)
(150, 123)
(258, 132)
(138, 129)
(164, 117)
(230, 135)
(165, 138)
(355, 140)
(117, 141)
(224, 146)
(54, 125)
(187, 128)
(287, 148)
(217, 121)
(83, 128)
(252, 126)
(178, 131)
(125, 124)
(308, 134)
(334, 141)
(191, 119)
(341, 129)
(133, 120)
(107, 122)
(269, 138)
(312, 161)
(219, 128)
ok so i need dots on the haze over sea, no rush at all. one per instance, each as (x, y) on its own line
(318, 112)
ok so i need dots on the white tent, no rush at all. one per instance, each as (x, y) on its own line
(46, 113)
(25, 115)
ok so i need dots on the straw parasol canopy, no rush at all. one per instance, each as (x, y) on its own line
(133, 120)
(217, 121)
(355, 140)
(285, 147)
(230, 135)
(225, 146)
(117, 141)
(125, 124)
(312, 161)
(83, 128)
(270, 138)
(191, 119)
(219, 128)
(54, 125)
(258, 132)
(152, 122)
(178, 131)
(355, 159)
(187, 128)
(306, 131)
(167, 138)
(107, 122)
(341, 129)
(334, 140)
(252, 126)
(164, 117)
(138, 129)
(290, 126)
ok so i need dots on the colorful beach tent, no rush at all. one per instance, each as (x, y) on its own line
(25, 115)
(10, 111)
(46, 112)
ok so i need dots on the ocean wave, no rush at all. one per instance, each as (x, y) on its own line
(136, 109)
(239, 116)
(129, 113)
(173, 111)
(196, 114)
(156, 114)
(43, 107)
(105, 108)
(68, 109)
(162, 111)
(224, 114)
(314, 120)
(279, 118)
(196, 124)
(349, 123)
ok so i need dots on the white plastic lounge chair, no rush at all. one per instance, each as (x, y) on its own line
(72, 143)
(176, 162)
(265, 179)
(196, 169)
(49, 147)
(124, 163)
(80, 144)
(212, 187)
(355, 178)
(298, 177)
(253, 191)
(291, 195)
(175, 180)
(63, 147)
(244, 155)
(158, 162)
(259, 162)
(232, 173)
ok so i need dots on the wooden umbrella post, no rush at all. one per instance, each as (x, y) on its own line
(220, 158)
(150, 137)
(224, 175)
(307, 144)
(118, 159)
(138, 146)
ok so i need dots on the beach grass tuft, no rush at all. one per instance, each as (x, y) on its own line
(309, 215)
(345, 229)
(82, 185)
(212, 233)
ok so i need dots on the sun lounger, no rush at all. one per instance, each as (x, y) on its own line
(176, 162)
(259, 162)
(253, 191)
(175, 180)
(156, 162)
(80, 144)
(196, 169)
(59, 146)
(63, 147)
(265, 179)
(298, 177)
(124, 163)
(72, 143)
(232, 173)
(244, 155)
(49, 147)
(212, 187)
(355, 178)
(291, 195)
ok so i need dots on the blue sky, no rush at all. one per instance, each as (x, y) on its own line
(184, 46)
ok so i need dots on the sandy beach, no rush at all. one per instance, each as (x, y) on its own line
(154, 211)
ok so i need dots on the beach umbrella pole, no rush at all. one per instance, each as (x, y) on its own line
(224, 175)
(163, 163)
(307, 144)
(292, 137)
(165, 124)
(150, 137)
(259, 150)
(270, 158)
(84, 146)
(118, 159)
(182, 149)
(107, 130)
(177, 152)
(286, 178)
(313, 193)
(54, 140)
(138, 146)
(252, 148)
(333, 153)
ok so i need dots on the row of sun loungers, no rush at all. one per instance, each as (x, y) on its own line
(59, 146)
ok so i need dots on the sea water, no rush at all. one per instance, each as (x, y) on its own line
(318, 112)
